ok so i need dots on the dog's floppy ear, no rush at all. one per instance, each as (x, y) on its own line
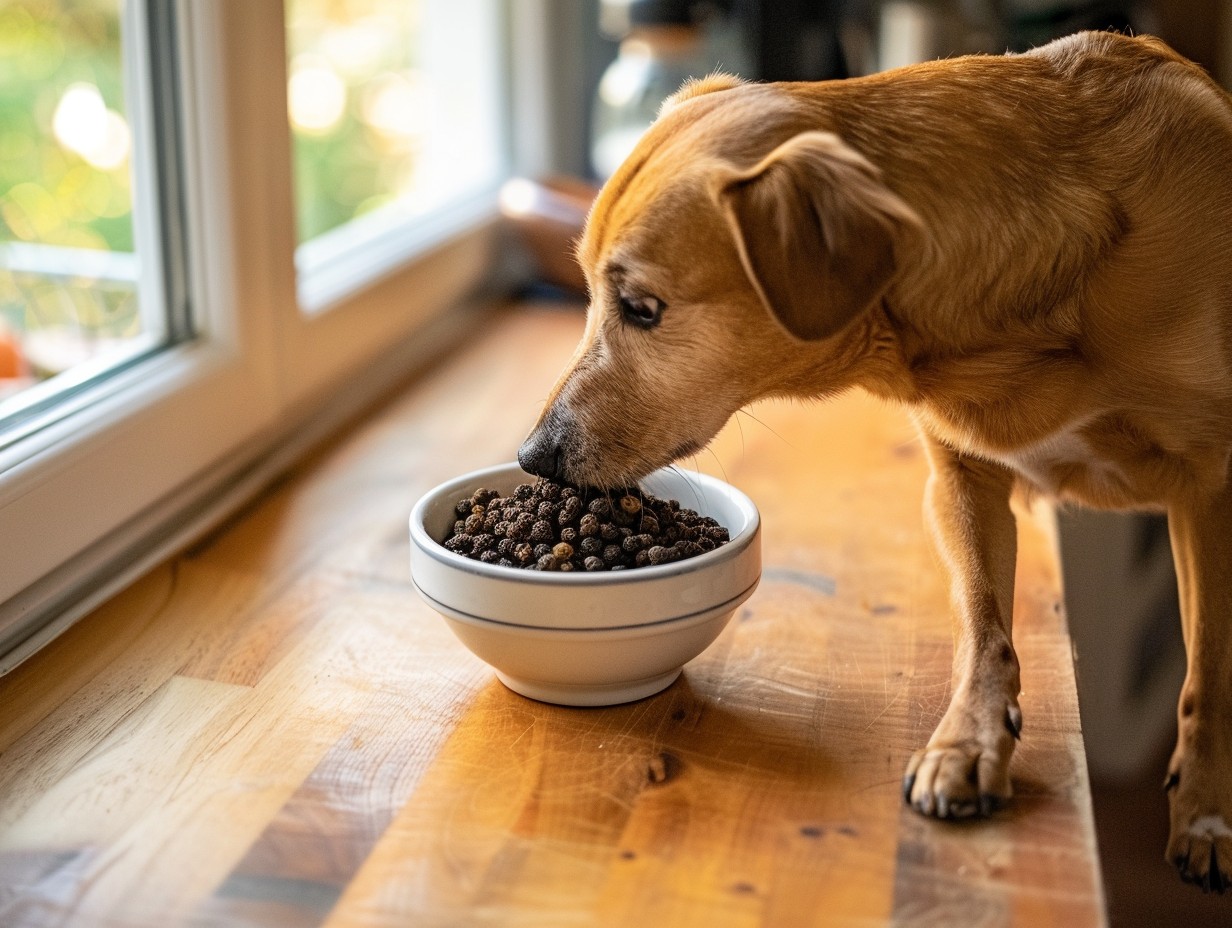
(816, 230)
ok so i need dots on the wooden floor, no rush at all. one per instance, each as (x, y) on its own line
(272, 729)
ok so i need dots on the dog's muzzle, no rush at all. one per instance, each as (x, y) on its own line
(543, 452)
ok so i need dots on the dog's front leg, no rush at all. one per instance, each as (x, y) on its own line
(1200, 775)
(964, 769)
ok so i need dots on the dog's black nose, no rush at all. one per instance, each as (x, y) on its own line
(542, 454)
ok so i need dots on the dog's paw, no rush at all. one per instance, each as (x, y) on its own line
(1200, 839)
(965, 769)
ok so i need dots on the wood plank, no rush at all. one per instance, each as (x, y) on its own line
(274, 730)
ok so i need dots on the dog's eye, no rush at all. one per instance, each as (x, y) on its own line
(643, 311)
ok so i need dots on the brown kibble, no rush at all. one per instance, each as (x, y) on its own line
(570, 511)
(634, 543)
(685, 549)
(459, 544)
(549, 526)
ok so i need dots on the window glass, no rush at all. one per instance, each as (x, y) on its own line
(69, 305)
(393, 106)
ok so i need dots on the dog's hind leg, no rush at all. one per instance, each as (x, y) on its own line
(1199, 781)
(964, 768)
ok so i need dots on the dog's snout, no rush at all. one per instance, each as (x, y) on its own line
(542, 454)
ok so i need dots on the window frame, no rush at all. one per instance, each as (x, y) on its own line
(216, 417)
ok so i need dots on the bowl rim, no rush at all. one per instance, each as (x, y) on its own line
(434, 549)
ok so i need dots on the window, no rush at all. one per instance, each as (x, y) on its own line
(396, 111)
(76, 215)
(170, 268)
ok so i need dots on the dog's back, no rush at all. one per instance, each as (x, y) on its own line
(1075, 289)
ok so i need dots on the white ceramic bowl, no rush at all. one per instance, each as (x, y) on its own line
(588, 639)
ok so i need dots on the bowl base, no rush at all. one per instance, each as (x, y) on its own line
(587, 694)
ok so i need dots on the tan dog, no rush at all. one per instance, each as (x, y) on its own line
(1032, 253)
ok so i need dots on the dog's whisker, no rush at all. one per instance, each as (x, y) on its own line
(680, 472)
(766, 427)
(717, 460)
(697, 501)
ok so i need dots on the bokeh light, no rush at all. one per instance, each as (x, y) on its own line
(395, 105)
(83, 124)
(316, 95)
(80, 118)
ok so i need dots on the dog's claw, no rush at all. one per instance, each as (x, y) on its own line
(908, 785)
(990, 804)
(1181, 862)
(1013, 722)
(955, 808)
(964, 810)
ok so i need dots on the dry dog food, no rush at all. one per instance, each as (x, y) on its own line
(550, 526)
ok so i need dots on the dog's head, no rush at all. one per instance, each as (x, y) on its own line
(726, 259)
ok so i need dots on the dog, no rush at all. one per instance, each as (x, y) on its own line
(1032, 253)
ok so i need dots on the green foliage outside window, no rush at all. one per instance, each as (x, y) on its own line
(355, 106)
